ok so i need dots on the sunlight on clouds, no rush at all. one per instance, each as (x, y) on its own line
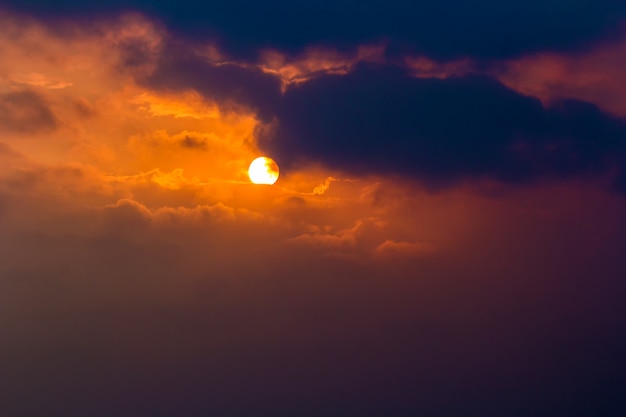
(89, 63)
(147, 160)
(163, 215)
(173, 180)
(343, 238)
(88, 58)
(84, 83)
(316, 61)
(106, 143)
(221, 149)
(36, 79)
(188, 105)
(595, 75)
(408, 249)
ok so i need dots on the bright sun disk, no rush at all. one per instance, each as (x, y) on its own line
(263, 170)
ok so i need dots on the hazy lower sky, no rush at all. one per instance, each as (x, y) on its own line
(447, 236)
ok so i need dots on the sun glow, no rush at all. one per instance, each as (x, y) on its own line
(263, 170)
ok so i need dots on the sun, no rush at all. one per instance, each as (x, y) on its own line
(263, 170)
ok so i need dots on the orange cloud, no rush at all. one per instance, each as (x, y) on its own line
(593, 75)
(390, 248)
(189, 105)
(315, 61)
(36, 79)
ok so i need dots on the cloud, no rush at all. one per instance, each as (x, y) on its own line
(411, 120)
(26, 112)
(436, 122)
(142, 274)
(380, 119)
(232, 85)
(390, 248)
(190, 105)
(345, 238)
(6, 152)
(592, 75)
(36, 79)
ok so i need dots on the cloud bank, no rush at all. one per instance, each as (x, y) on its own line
(442, 239)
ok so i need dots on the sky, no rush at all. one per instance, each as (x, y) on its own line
(446, 237)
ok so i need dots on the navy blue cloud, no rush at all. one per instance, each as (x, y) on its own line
(442, 29)
(383, 120)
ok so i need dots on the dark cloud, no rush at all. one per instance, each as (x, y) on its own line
(383, 120)
(25, 112)
(442, 29)
(230, 84)
(193, 142)
(136, 54)
(620, 181)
